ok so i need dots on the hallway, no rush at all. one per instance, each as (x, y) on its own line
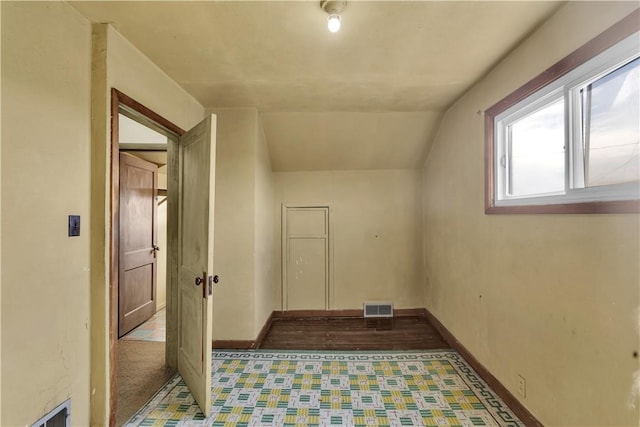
(141, 366)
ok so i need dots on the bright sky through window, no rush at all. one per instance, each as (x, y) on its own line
(613, 151)
(537, 152)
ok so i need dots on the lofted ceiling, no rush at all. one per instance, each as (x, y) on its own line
(367, 97)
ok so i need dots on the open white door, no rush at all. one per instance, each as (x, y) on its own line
(197, 151)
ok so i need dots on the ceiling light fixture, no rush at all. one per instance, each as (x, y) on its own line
(334, 8)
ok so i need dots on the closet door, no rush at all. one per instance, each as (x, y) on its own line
(306, 258)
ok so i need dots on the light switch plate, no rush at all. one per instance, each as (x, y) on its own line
(74, 225)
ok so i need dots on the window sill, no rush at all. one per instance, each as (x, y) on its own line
(611, 207)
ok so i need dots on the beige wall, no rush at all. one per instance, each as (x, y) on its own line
(243, 250)
(233, 253)
(377, 232)
(46, 75)
(0, 224)
(117, 63)
(553, 298)
(265, 242)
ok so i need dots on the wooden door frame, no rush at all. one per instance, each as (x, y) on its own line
(285, 244)
(147, 115)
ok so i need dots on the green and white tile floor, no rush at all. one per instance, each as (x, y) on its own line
(278, 388)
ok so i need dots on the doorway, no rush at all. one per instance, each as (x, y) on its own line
(139, 232)
(142, 266)
(190, 228)
(140, 296)
(306, 257)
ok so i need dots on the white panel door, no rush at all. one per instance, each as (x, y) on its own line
(306, 258)
(195, 258)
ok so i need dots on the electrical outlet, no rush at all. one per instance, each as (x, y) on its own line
(522, 386)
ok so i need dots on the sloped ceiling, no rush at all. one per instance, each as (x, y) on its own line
(367, 97)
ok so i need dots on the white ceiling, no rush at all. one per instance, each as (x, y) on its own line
(367, 97)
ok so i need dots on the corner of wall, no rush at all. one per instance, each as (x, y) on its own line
(99, 296)
(433, 137)
(425, 265)
(265, 292)
(0, 225)
(235, 217)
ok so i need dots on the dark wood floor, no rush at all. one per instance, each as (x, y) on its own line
(352, 333)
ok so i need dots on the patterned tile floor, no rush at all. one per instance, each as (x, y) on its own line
(153, 329)
(278, 388)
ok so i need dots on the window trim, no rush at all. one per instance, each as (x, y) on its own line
(615, 34)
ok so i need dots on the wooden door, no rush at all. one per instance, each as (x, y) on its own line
(306, 258)
(138, 237)
(195, 258)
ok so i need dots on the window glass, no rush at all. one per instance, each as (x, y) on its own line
(536, 152)
(611, 137)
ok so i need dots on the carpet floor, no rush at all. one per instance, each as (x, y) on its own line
(280, 388)
(141, 372)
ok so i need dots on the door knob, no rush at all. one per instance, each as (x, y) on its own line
(202, 280)
(216, 279)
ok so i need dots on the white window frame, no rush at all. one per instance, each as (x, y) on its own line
(568, 87)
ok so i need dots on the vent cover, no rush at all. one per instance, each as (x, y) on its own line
(59, 417)
(378, 309)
